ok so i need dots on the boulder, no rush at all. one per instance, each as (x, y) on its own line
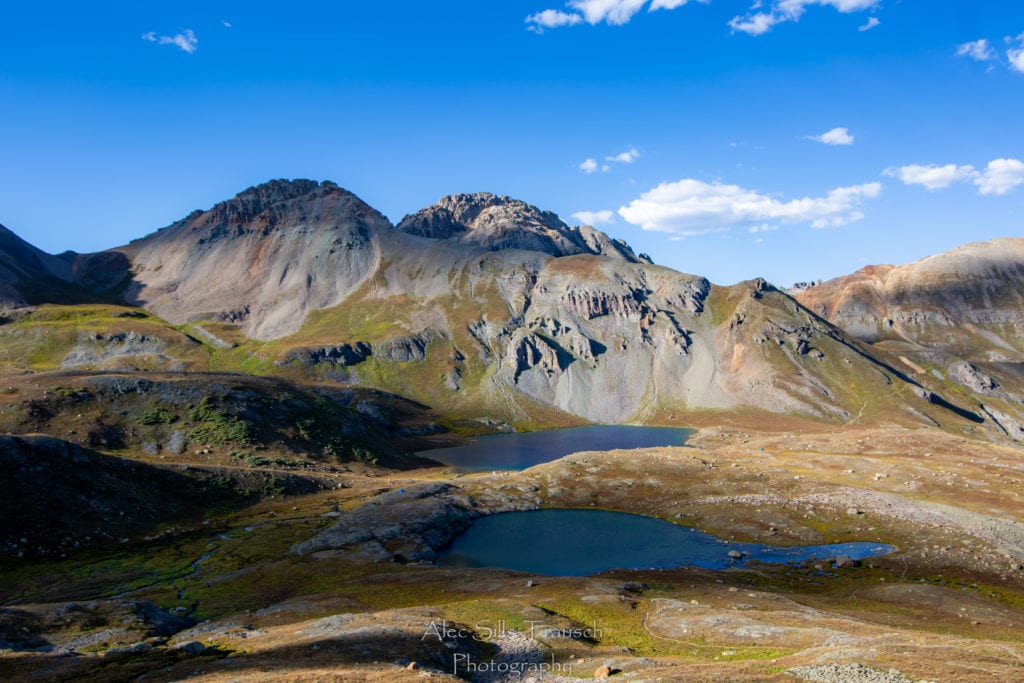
(843, 561)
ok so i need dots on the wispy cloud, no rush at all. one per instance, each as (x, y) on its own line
(627, 157)
(594, 218)
(999, 177)
(591, 164)
(693, 207)
(1015, 55)
(931, 177)
(836, 136)
(614, 12)
(227, 24)
(611, 12)
(982, 50)
(871, 23)
(978, 50)
(757, 21)
(186, 40)
(755, 24)
(551, 18)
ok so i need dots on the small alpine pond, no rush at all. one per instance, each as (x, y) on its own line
(517, 451)
(579, 542)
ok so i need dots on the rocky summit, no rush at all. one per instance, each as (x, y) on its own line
(219, 443)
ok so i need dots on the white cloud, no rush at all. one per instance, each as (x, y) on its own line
(981, 50)
(757, 23)
(1000, 176)
(612, 12)
(795, 8)
(1016, 58)
(670, 4)
(588, 166)
(978, 50)
(692, 207)
(754, 24)
(932, 177)
(1015, 55)
(871, 23)
(551, 18)
(594, 218)
(187, 40)
(227, 24)
(627, 157)
(836, 136)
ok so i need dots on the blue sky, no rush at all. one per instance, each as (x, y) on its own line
(790, 139)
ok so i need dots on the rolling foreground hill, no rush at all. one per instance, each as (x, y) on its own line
(480, 306)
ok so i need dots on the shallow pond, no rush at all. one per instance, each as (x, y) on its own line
(521, 450)
(579, 542)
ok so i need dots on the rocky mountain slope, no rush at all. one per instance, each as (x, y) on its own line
(956, 318)
(481, 306)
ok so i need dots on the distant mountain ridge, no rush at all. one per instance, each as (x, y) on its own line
(958, 316)
(486, 305)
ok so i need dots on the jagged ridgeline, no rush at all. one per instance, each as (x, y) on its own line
(483, 305)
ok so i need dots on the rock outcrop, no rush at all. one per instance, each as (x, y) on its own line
(409, 525)
(498, 222)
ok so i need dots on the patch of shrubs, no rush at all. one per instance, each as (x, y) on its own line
(157, 416)
(217, 427)
(254, 460)
(322, 430)
(80, 394)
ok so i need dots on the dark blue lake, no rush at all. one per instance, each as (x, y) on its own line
(579, 542)
(521, 450)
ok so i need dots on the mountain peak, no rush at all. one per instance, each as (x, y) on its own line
(501, 222)
(281, 189)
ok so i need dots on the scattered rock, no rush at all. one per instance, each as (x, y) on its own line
(633, 587)
(847, 673)
(602, 673)
(192, 647)
(843, 561)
